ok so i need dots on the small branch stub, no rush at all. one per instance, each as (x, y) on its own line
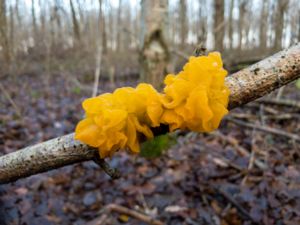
(112, 172)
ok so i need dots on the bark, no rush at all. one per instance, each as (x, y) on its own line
(154, 55)
(219, 28)
(245, 86)
(264, 76)
(42, 157)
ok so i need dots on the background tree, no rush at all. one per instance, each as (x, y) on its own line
(230, 24)
(263, 28)
(4, 38)
(183, 22)
(76, 29)
(241, 23)
(154, 54)
(219, 28)
(202, 24)
(280, 15)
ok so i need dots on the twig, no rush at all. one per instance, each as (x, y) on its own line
(98, 68)
(265, 129)
(231, 140)
(239, 207)
(267, 109)
(77, 83)
(243, 116)
(286, 116)
(252, 156)
(280, 93)
(11, 101)
(180, 53)
(262, 116)
(112, 172)
(274, 71)
(282, 102)
(123, 210)
(239, 148)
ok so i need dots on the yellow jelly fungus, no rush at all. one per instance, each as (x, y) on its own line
(195, 99)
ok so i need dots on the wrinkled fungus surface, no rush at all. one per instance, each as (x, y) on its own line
(195, 99)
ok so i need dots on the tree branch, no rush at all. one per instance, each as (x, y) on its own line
(263, 77)
(245, 86)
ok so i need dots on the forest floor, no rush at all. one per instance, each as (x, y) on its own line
(236, 175)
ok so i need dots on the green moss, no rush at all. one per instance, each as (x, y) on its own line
(155, 147)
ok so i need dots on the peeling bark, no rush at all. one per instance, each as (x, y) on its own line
(245, 86)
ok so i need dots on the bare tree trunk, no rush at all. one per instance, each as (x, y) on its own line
(76, 30)
(245, 86)
(119, 28)
(172, 27)
(242, 11)
(299, 25)
(81, 14)
(99, 50)
(18, 12)
(280, 11)
(183, 22)
(154, 55)
(136, 28)
(126, 28)
(4, 35)
(219, 28)
(202, 34)
(12, 32)
(230, 24)
(103, 32)
(110, 34)
(12, 41)
(34, 25)
(247, 25)
(263, 27)
(43, 30)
